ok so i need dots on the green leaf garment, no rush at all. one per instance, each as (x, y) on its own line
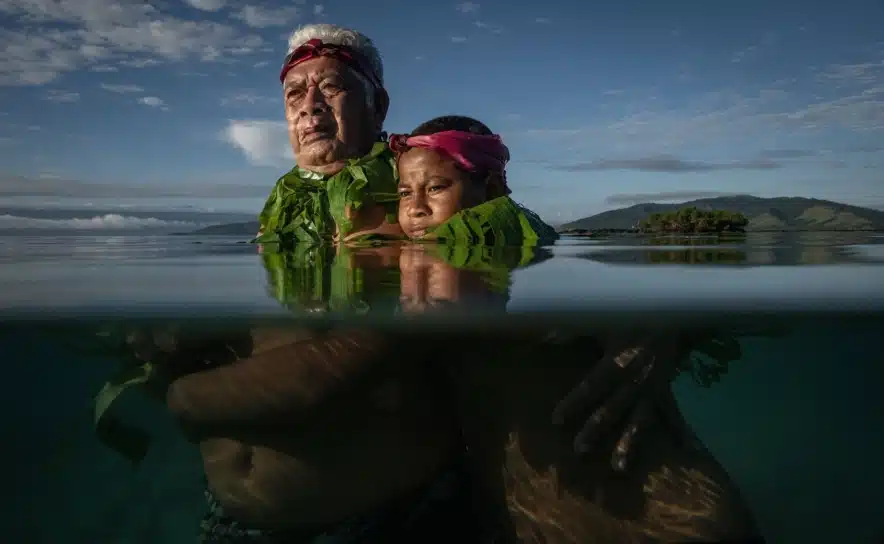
(496, 223)
(305, 207)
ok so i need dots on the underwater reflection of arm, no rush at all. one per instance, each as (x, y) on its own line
(278, 384)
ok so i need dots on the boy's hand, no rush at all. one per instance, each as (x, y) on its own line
(623, 387)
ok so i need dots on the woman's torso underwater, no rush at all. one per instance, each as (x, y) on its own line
(390, 433)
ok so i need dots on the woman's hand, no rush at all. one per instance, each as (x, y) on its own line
(623, 387)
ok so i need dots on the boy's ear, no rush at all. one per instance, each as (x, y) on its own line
(495, 186)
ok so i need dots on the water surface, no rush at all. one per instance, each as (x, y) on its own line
(797, 421)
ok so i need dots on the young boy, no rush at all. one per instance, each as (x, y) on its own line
(452, 189)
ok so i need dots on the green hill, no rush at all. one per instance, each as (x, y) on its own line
(783, 213)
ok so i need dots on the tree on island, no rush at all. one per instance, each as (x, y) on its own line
(694, 220)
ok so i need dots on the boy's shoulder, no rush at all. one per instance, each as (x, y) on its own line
(499, 221)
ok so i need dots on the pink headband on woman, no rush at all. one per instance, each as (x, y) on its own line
(471, 151)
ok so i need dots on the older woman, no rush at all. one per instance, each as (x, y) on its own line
(323, 434)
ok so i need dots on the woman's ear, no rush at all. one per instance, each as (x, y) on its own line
(382, 104)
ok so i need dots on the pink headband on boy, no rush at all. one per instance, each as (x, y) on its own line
(471, 151)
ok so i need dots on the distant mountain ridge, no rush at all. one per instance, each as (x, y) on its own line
(772, 214)
(245, 228)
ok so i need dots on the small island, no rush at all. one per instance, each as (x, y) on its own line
(693, 220)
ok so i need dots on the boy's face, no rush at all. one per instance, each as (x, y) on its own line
(432, 189)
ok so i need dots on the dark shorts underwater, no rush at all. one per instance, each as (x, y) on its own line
(439, 512)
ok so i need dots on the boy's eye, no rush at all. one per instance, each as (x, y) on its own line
(436, 188)
(404, 193)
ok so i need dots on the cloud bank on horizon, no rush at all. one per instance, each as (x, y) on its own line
(595, 100)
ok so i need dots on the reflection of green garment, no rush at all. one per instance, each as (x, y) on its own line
(494, 263)
(323, 278)
(498, 222)
(130, 442)
(305, 207)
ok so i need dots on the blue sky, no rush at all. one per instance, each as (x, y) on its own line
(603, 104)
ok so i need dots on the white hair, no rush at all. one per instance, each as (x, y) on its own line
(338, 35)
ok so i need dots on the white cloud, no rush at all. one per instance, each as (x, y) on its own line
(104, 68)
(140, 63)
(319, 10)
(62, 96)
(258, 17)
(261, 64)
(496, 29)
(855, 74)
(152, 101)
(542, 21)
(108, 221)
(248, 98)
(262, 142)
(850, 99)
(52, 37)
(458, 39)
(206, 5)
(467, 7)
(122, 89)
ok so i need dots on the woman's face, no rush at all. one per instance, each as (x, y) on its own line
(432, 189)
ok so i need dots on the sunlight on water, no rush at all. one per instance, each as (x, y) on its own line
(781, 382)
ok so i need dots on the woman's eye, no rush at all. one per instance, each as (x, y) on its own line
(403, 194)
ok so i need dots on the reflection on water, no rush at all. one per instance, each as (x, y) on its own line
(752, 249)
(302, 431)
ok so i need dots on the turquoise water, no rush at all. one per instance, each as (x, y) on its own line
(798, 421)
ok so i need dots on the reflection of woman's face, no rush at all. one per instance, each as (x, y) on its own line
(432, 189)
(427, 282)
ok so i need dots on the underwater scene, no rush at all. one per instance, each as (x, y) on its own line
(179, 389)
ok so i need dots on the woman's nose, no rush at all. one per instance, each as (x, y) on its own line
(313, 104)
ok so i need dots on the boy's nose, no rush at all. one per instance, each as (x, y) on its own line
(418, 207)
(416, 212)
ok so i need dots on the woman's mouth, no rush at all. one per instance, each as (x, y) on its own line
(312, 134)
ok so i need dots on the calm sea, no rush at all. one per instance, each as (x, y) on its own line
(798, 421)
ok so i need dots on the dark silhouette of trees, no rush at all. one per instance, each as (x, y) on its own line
(694, 220)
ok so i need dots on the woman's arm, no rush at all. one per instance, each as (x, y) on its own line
(283, 382)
